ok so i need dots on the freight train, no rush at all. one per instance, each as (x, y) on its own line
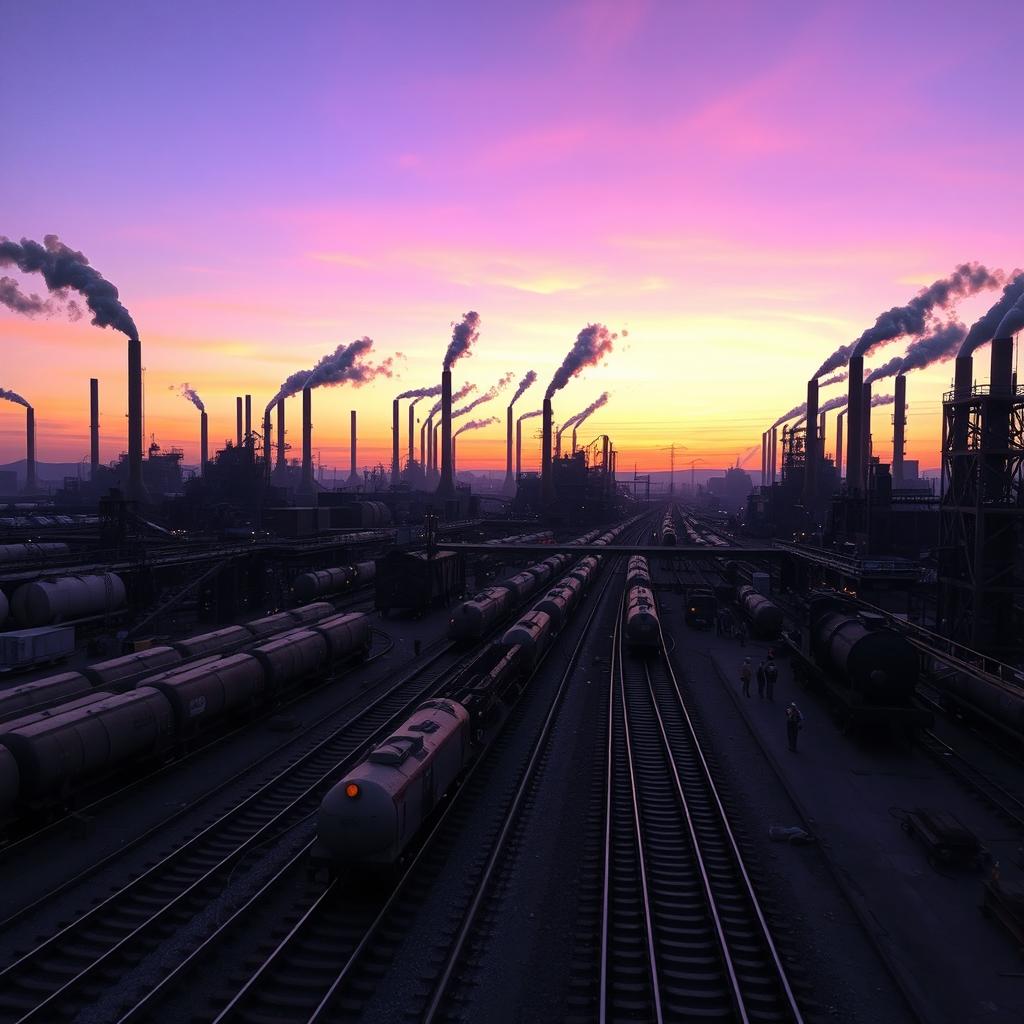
(309, 585)
(642, 627)
(764, 616)
(868, 670)
(47, 756)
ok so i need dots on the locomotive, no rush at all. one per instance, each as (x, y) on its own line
(643, 628)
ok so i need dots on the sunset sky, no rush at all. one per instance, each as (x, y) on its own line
(741, 186)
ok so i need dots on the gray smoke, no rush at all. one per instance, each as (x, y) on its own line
(64, 268)
(984, 329)
(189, 392)
(939, 345)
(889, 369)
(527, 381)
(797, 410)
(12, 396)
(592, 344)
(1013, 321)
(577, 420)
(466, 389)
(338, 367)
(530, 415)
(419, 393)
(30, 304)
(912, 319)
(837, 378)
(839, 402)
(475, 425)
(490, 394)
(464, 334)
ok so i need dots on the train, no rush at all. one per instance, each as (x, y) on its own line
(310, 585)
(764, 616)
(868, 670)
(668, 529)
(48, 755)
(642, 625)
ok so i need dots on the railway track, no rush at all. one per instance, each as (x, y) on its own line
(72, 967)
(682, 934)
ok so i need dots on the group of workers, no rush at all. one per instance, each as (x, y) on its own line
(766, 674)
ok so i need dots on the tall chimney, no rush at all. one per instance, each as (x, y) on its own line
(821, 436)
(454, 470)
(811, 444)
(855, 427)
(435, 449)
(396, 468)
(307, 439)
(519, 449)
(899, 427)
(267, 461)
(764, 458)
(547, 486)
(773, 454)
(280, 434)
(510, 482)
(412, 433)
(423, 445)
(604, 457)
(1001, 372)
(135, 487)
(995, 438)
(204, 443)
(30, 449)
(353, 476)
(248, 419)
(573, 440)
(446, 486)
(865, 442)
(238, 421)
(839, 443)
(94, 427)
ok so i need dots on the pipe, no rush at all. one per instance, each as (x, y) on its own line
(865, 443)
(811, 444)
(204, 443)
(547, 487)
(899, 427)
(353, 476)
(248, 420)
(839, 444)
(135, 487)
(446, 486)
(307, 439)
(412, 434)
(238, 421)
(396, 469)
(855, 427)
(94, 427)
(280, 434)
(30, 449)
(509, 481)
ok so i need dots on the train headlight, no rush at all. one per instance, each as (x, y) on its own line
(352, 790)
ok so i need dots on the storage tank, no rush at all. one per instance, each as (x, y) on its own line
(44, 602)
(31, 552)
(765, 617)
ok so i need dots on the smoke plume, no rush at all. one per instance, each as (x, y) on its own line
(187, 391)
(475, 425)
(984, 329)
(1013, 321)
(487, 396)
(338, 367)
(592, 344)
(12, 396)
(464, 334)
(30, 304)
(836, 378)
(64, 268)
(795, 411)
(577, 420)
(839, 402)
(466, 389)
(912, 319)
(746, 455)
(527, 381)
(419, 393)
(530, 415)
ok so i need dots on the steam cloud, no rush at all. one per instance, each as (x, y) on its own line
(839, 402)
(592, 344)
(936, 347)
(1013, 321)
(487, 396)
(837, 378)
(419, 393)
(527, 381)
(530, 415)
(30, 304)
(475, 425)
(338, 367)
(912, 319)
(64, 268)
(984, 329)
(795, 411)
(466, 389)
(187, 391)
(464, 334)
(13, 396)
(577, 420)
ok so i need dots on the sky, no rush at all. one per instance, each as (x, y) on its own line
(740, 186)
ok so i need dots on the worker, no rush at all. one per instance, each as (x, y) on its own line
(771, 673)
(745, 675)
(794, 723)
(760, 679)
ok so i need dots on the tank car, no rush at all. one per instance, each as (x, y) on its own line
(370, 817)
(533, 633)
(288, 658)
(471, 619)
(643, 630)
(48, 690)
(668, 536)
(347, 635)
(557, 604)
(520, 586)
(310, 585)
(269, 624)
(638, 572)
(10, 782)
(585, 569)
(765, 617)
(5, 608)
(30, 552)
(44, 602)
(58, 753)
(216, 642)
(201, 694)
(43, 714)
(1000, 702)
(307, 613)
(121, 673)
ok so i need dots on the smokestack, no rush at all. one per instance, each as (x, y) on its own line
(135, 428)
(573, 440)
(94, 427)
(435, 448)
(412, 433)
(772, 457)
(764, 458)
(519, 448)
(280, 434)
(353, 476)
(899, 426)
(454, 470)
(604, 456)
(204, 443)
(307, 439)
(238, 421)
(446, 487)
(30, 449)
(865, 443)
(248, 419)
(396, 471)
(811, 444)
(547, 487)
(855, 460)
(821, 436)
(423, 445)
(510, 481)
(1001, 373)
(839, 443)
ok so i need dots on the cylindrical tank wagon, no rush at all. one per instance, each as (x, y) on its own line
(44, 602)
(30, 552)
(764, 616)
